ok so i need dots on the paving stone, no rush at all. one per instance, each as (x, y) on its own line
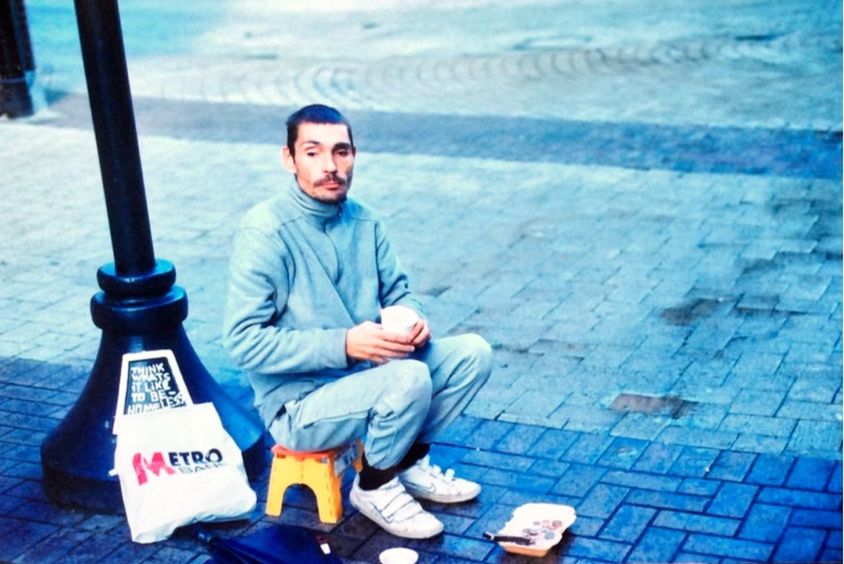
(448, 455)
(628, 523)
(578, 480)
(732, 466)
(812, 390)
(455, 524)
(487, 434)
(755, 402)
(799, 545)
(519, 439)
(498, 460)
(584, 547)
(699, 487)
(18, 537)
(703, 416)
(810, 410)
(694, 522)
(657, 545)
(765, 522)
(517, 497)
(492, 520)
(721, 546)
(586, 526)
(799, 498)
(816, 519)
(694, 462)
(761, 444)
(658, 457)
(698, 437)
(667, 500)
(518, 480)
(452, 545)
(551, 468)
(834, 484)
(834, 540)
(20, 453)
(639, 426)
(732, 500)
(780, 381)
(27, 489)
(47, 513)
(815, 435)
(460, 430)
(553, 444)
(25, 470)
(770, 470)
(602, 501)
(772, 426)
(167, 554)
(532, 404)
(381, 541)
(55, 547)
(830, 555)
(585, 419)
(692, 557)
(810, 473)
(641, 480)
(587, 449)
(622, 453)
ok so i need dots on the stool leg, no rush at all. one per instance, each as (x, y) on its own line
(277, 488)
(326, 487)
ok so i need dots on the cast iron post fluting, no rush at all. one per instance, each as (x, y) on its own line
(139, 308)
(15, 60)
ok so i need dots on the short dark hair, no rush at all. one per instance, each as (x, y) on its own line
(315, 113)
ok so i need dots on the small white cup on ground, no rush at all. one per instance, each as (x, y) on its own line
(398, 319)
(398, 556)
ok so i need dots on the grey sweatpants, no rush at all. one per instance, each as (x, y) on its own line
(390, 406)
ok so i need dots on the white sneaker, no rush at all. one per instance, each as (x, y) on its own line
(392, 508)
(424, 481)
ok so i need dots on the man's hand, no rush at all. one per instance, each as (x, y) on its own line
(368, 341)
(420, 334)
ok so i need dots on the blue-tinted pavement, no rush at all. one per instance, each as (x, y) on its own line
(638, 204)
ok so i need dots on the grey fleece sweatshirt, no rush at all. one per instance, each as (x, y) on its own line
(302, 273)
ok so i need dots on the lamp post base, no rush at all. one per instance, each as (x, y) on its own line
(78, 455)
(15, 100)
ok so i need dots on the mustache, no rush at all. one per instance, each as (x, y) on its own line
(331, 179)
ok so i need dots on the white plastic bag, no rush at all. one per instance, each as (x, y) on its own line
(176, 467)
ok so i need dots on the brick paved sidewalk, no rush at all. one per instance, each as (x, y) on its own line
(738, 462)
(637, 501)
(644, 220)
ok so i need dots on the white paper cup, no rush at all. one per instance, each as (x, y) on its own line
(398, 319)
(398, 556)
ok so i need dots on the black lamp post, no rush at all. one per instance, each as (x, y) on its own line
(140, 309)
(15, 60)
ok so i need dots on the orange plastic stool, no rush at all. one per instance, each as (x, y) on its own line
(320, 471)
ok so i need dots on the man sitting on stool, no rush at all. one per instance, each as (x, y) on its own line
(309, 273)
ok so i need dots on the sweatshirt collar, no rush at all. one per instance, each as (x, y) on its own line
(321, 211)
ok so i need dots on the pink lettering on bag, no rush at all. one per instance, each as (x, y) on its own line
(155, 465)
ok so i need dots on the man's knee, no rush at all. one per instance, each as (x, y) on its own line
(411, 379)
(479, 354)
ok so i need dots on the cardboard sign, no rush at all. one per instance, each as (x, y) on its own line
(149, 381)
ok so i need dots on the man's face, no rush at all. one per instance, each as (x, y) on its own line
(323, 161)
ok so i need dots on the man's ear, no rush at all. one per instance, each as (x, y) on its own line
(287, 160)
